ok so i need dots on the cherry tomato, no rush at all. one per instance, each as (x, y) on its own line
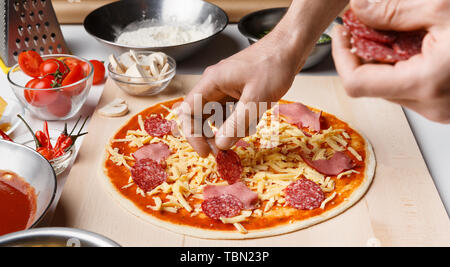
(71, 62)
(74, 76)
(99, 71)
(85, 67)
(61, 106)
(29, 62)
(54, 67)
(40, 98)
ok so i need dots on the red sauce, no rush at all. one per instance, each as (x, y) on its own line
(17, 203)
(119, 176)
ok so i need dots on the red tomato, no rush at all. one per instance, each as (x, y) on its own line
(99, 71)
(85, 67)
(61, 107)
(54, 67)
(29, 62)
(71, 62)
(40, 98)
(74, 76)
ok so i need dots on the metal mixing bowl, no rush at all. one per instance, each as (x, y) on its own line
(34, 169)
(55, 237)
(106, 22)
(253, 24)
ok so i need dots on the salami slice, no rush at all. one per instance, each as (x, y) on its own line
(409, 44)
(372, 51)
(357, 28)
(158, 126)
(304, 194)
(224, 206)
(148, 174)
(373, 45)
(229, 166)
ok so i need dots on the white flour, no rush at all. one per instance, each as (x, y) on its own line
(145, 34)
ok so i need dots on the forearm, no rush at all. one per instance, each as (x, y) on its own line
(302, 26)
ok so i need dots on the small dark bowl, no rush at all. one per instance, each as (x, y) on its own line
(253, 25)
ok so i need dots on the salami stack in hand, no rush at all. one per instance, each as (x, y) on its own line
(373, 45)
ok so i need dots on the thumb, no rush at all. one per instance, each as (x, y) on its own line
(400, 15)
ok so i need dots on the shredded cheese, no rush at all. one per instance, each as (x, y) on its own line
(328, 199)
(353, 151)
(239, 218)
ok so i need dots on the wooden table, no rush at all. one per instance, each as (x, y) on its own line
(402, 207)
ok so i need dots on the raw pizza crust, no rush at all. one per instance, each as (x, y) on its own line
(357, 194)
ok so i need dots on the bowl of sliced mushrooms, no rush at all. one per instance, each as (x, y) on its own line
(142, 73)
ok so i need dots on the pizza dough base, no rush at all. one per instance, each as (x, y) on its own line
(369, 173)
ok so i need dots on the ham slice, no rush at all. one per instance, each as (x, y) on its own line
(157, 152)
(242, 143)
(300, 115)
(338, 163)
(238, 190)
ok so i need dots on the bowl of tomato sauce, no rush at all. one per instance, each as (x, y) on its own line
(51, 87)
(27, 187)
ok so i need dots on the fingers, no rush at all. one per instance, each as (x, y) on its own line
(233, 128)
(344, 59)
(205, 90)
(374, 80)
(400, 15)
(189, 126)
(240, 123)
(191, 111)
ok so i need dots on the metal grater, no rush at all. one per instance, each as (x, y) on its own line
(29, 25)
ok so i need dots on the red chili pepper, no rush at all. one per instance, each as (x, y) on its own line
(63, 144)
(5, 136)
(47, 135)
(61, 138)
(66, 144)
(46, 152)
(59, 141)
(67, 140)
(43, 140)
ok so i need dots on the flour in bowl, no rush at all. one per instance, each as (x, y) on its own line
(145, 34)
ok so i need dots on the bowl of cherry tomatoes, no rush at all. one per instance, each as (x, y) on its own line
(51, 87)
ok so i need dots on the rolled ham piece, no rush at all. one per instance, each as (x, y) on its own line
(157, 152)
(338, 163)
(300, 115)
(238, 190)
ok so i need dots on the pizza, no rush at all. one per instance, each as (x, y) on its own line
(373, 45)
(301, 166)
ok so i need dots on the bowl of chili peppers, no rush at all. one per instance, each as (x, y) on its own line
(57, 146)
(51, 87)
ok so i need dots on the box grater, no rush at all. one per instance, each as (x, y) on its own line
(29, 25)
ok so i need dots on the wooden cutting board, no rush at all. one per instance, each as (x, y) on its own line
(74, 11)
(402, 207)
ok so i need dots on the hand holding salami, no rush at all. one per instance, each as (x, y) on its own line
(411, 38)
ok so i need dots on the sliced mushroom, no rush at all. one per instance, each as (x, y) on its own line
(117, 66)
(116, 108)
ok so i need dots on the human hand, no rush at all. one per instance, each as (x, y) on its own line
(258, 74)
(421, 83)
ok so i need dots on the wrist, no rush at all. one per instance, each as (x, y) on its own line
(296, 34)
